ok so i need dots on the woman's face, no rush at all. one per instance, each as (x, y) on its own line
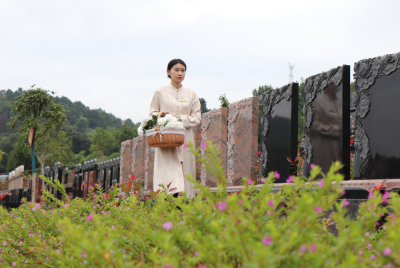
(177, 73)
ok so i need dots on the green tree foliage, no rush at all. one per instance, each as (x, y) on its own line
(51, 148)
(21, 154)
(103, 142)
(353, 86)
(125, 133)
(128, 122)
(203, 104)
(82, 124)
(258, 93)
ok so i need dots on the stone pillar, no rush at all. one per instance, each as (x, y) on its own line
(126, 161)
(214, 128)
(242, 141)
(197, 140)
(148, 166)
(138, 157)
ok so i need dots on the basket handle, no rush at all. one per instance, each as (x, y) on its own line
(162, 114)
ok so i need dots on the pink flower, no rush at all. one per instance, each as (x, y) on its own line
(290, 179)
(367, 233)
(59, 251)
(90, 217)
(360, 259)
(167, 225)
(387, 251)
(112, 227)
(168, 266)
(303, 248)
(321, 184)
(112, 186)
(377, 223)
(262, 180)
(271, 203)
(94, 196)
(222, 205)
(391, 216)
(360, 252)
(249, 181)
(84, 255)
(346, 203)
(277, 175)
(102, 212)
(184, 145)
(385, 197)
(196, 253)
(312, 166)
(14, 264)
(26, 261)
(267, 240)
(204, 145)
(370, 195)
(313, 248)
(4, 243)
(318, 209)
(372, 257)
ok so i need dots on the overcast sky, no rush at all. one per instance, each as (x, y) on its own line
(113, 54)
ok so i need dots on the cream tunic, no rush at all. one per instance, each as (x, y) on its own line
(167, 161)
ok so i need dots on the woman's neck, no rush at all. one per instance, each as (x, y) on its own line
(176, 84)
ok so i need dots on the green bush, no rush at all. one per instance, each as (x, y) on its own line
(253, 228)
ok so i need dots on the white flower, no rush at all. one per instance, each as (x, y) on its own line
(140, 131)
(162, 121)
(145, 120)
(168, 117)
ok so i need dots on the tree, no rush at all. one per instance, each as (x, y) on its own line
(20, 155)
(35, 109)
(103, 141)
(125, 133)
(54, 143)
(128, 122)
(203, 106)
(82, 124)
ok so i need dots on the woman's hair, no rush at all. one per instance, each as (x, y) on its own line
(174, 62)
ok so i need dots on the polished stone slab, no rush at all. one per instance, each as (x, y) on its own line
(279, 130)
(242, 140)
(377, 117)
(327, 120)
(214, 129)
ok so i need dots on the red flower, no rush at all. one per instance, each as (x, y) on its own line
(132, 177)
(259, 153)
(351, 141)
(258, 165)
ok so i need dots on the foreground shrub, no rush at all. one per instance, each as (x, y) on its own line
(253, 228)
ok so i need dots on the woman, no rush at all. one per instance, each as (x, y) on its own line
(174, 164)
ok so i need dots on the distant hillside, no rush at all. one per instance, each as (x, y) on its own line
(80, 129)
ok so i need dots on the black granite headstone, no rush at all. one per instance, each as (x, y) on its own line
(377, 118)
(327, 120)
(279, 130)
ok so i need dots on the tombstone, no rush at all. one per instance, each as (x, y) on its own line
(108, 175)
(377, 109)
(197, 140)
(279, 130)
(327, 120)
(138, 157)
(214, 129)
(115, 170)
(126, 161)
(149, 167)
(242, 141)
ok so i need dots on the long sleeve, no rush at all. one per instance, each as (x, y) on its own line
(194, 118)
(155, 104)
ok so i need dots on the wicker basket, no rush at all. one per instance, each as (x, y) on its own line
(165, 137)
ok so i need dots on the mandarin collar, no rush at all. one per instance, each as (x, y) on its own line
(173, 87)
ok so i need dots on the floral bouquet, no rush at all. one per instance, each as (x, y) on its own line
(150, 122)
(169, 132)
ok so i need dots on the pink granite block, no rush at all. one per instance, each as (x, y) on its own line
(125, 161)
(197, 140)
(214, 128)
(242, 140)
(149, 167)
(138, 157)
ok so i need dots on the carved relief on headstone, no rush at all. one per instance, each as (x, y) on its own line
(376, 105)
(126, 161)
(214, 128)
(242, 140)
(279, 130)
(327, 120)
